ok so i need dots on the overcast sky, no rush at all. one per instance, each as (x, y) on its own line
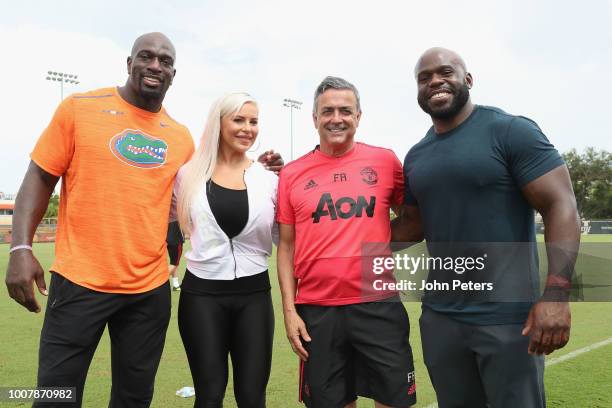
(548, 60)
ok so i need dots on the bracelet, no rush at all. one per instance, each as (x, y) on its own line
(559, 282)
(18, 247)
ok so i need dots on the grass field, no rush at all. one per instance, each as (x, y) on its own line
(585, 381)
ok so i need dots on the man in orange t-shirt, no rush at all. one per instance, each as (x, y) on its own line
(117, 152)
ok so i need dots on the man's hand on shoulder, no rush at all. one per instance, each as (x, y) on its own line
(272, 161)
(23, 271)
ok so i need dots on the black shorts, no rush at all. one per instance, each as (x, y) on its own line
(357, 350)
(175, 252)
(174, 241)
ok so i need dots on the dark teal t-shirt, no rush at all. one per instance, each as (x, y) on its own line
(467, 184)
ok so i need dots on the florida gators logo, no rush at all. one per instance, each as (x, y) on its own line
(136, 148)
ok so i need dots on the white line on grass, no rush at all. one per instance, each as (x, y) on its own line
(563, 358)
(578, 352)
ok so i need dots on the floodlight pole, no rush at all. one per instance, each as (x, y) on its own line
(62, 77)
(291, 104)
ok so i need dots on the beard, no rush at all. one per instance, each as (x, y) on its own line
(151, 93)
(460, 98)
(147, 93)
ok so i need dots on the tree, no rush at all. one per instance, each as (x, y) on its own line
(53, 206)
(591, 174)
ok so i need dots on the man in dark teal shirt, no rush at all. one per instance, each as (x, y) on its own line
(472, 184)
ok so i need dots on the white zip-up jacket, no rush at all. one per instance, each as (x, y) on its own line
(213, 255)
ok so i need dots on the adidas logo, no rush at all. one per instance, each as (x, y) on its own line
(310, 184)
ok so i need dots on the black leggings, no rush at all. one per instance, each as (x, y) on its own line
(212, 326)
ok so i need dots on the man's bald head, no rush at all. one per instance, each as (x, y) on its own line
(441, 56)
(155, 37)
(151, 70)
(443, 85)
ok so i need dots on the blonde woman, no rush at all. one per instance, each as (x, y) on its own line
(226, 203)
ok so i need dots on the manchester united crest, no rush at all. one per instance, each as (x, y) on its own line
(369, 175)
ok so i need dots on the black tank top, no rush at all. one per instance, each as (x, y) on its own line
(230, 207)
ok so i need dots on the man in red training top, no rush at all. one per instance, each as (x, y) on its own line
(352, 341)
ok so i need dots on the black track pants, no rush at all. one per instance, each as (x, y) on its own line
(75, 319)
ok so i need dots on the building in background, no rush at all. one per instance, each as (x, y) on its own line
(6, 212)
(6, 218)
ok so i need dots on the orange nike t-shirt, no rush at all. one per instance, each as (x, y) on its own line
(118, 165)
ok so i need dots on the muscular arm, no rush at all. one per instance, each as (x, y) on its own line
(552, 196)
(294, 325)
(407, 226)
(549, 320)
(30, 206)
